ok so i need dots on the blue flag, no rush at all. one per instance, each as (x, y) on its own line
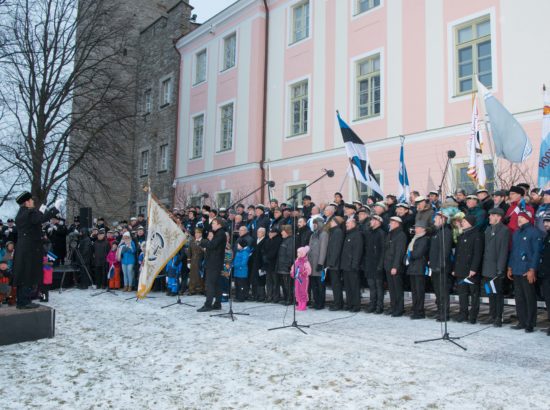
(52, 257)
(111, 272)
(404, 187)
(544, 157)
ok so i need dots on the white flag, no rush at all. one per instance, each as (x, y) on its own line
(164, 240)
(476, 167)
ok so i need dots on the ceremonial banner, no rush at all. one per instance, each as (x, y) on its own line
(404, 191)
(544, 157)
(164, 239)
(511, 141)
(357, 153)
(476, 166)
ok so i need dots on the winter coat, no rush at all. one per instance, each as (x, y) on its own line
(334, 247)
(27, 264)
(240, 263)
(426, 216)
(57, 234)
(373, 258)
(544, 266)
(285, 257)
(495, 255)
(352, 251)
(526, 249)
(302, 237)
(318, 243)
(511, 217)
(215, 252)
(258, 257)
(408, 225)
(469, 252)
(395, 247)
(195, 254)
(127, 253)
(418, 256)
(101, 249)
(111, 259)
(480, 215)
(270, 253)
(441, 244)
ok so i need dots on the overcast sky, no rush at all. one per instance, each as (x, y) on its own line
(204, 9)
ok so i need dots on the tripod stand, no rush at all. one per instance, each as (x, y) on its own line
(231, 314)
(443, 286)
(178, 302)
(73, 250)
(295, 325)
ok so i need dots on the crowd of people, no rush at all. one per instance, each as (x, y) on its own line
(494, 245)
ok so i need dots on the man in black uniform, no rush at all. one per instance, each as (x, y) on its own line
(495, 257)
(395, 247)
(544, 267)
(213, 265)
(29, 252)
(350, 263)
(373, 264)
(441, 243)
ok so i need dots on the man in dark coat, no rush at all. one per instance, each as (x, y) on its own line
(334, 250)
(101, 249)
(285, 259)
(424, 213)
(57, 234)
(258, 272)
(10, 232)
(29, 251)
(403, 210)
(373, 264)
(269, 262)
(303, 233)
(522, 267)
(544, 267)
(475, 209)
(495, 258)
(350, 263)
(440, 264)
(417, 259)
(468, 258)
(395, 247)
(485, 199)
(213, 265)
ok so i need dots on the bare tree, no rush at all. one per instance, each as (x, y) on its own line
(60, 97)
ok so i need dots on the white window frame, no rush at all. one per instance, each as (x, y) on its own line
(219, 193)
(148, 101)
(219, 130)
(294, 184)
(353, 187)
(355, 7)
(290, 18)
(144, 170)
(288, 108)
(166, 94)
(369, 77)
(163, 161)
(462, 163)
(291, 87)
(453, 95)
(194, 117)
(196, 79)
(224, 66)
(353, 97)
(194, 200)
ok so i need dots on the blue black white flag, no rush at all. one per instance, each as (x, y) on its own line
(52, 257)
(490, 288)
(511, 141)
(404, 191)
(466, 281)
(357, 153)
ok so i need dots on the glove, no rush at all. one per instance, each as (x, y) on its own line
(319, 268)
(42, 208)
(58, 204)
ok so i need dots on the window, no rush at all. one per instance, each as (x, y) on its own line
(142, 210)
(144, 163)
(300, 22)
(364, 5)
(473, 55)
(223, 200)
(226, 140)
(166, 92)
(229, 51)
(368, 87)
(198, 134)
(298, 108)
(365, 190)
(195, 200)
(200, 67)
(148, 101)
(464, 181)
(297, 190)
(163, 158)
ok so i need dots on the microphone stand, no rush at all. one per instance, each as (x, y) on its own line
(443, 283)
(295, 324)
(231, 314)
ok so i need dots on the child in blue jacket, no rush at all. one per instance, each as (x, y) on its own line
(240, 269)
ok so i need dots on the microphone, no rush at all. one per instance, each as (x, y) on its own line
(205, 195)
(329, 172)
(451, 154)
(270, 184)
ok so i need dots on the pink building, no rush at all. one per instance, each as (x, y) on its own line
(391, 67)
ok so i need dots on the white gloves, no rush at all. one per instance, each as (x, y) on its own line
(42, 208)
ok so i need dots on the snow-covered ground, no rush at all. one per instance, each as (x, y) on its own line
(112, 353)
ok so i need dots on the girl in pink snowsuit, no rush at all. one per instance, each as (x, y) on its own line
(300, 272)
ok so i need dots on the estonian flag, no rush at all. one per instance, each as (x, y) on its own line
(404, 187)
(490, 287)
(52, 257)
(357, 153)
(111, 272)
(466, 281)
(511, 141)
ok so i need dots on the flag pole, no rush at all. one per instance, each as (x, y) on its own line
(355, 178)
(402, 171)
(494, 158)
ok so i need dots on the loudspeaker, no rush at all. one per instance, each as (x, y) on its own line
(86, 220)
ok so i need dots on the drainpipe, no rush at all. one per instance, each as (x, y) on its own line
(264, 120)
